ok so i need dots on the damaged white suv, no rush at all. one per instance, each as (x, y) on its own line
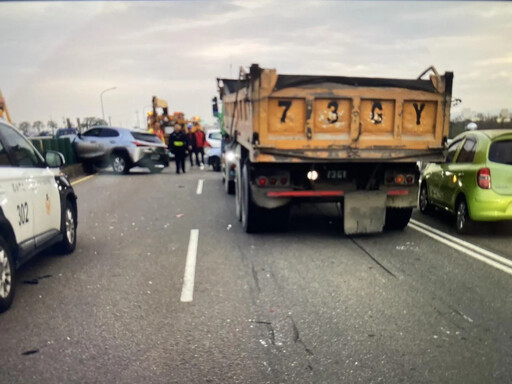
(37, 206)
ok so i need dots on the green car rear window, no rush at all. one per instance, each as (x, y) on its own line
(501, 152)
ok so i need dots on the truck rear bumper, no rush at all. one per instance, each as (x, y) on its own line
(397, 192)
(395, 198)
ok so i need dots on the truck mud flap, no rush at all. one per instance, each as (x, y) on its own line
(364, 212)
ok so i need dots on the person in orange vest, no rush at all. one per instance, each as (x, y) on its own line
(200, 143)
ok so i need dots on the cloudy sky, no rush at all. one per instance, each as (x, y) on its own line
(56, 58)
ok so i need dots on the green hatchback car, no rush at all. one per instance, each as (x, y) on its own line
(475, 181)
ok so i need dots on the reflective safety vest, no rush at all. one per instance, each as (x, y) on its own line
(178, 143)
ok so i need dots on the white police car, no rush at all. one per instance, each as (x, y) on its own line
(37, 206)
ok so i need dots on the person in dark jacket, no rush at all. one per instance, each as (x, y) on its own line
(191, 137)
(178, 146)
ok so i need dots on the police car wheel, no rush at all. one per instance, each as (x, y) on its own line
(68, 229)
(6, 276)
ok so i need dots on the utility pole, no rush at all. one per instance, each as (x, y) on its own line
(101, 100)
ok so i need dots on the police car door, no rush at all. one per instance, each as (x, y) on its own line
(45, 202)
(16, 196)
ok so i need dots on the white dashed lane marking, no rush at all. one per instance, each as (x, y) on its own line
(200, 186)
(187, 292)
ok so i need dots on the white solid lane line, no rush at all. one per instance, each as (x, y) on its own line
(199, 189)
(187, 292)
(462, 249)
(485, 252)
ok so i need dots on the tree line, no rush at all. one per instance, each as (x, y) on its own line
(39, 128)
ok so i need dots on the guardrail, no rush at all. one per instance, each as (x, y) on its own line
(64, 146)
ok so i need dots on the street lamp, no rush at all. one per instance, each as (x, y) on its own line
(101, 99)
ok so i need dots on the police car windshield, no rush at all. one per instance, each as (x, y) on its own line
(20, 151)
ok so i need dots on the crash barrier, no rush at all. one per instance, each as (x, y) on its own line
(63, 146)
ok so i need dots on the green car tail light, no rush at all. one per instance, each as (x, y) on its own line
(483, 178)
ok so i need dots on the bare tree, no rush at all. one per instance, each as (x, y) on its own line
(38, 126)
(24, 127)
(52, 125)
(89, 122)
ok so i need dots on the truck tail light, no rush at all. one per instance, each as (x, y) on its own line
(399, 179)
(272, 181)
(409, 179)
(284, 180)
(483, 178)
(262, 181)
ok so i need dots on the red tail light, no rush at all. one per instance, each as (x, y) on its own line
(272, 181)
(284, 180)
(207, 144)
(483, 178)
(409, 179)
(139, 144)
(262, 181)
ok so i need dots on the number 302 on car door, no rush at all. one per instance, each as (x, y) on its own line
(22, 213)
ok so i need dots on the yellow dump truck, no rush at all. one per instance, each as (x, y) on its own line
(353, 141)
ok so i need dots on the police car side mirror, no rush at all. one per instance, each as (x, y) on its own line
(54, 159)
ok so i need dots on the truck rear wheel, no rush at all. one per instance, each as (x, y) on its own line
(238, 195)
(229, 185)
(251, 213)
(397, 218)
(278, 217)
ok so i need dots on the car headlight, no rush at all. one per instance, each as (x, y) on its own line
(230, 156)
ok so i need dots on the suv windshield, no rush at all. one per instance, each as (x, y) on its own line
(146, 137)
(501, 152)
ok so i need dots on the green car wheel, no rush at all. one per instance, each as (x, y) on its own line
(463, 221)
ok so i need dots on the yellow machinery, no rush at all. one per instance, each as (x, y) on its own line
(158, 122)
(162, 124)
(4, 112)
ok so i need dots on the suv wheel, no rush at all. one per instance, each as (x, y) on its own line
(6, 276)
(120, 163)
(68, 229)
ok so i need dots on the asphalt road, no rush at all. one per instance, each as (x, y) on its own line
(309, 305)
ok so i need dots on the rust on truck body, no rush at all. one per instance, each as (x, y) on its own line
(338, 119)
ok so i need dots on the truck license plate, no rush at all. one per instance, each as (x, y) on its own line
(334, 174)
